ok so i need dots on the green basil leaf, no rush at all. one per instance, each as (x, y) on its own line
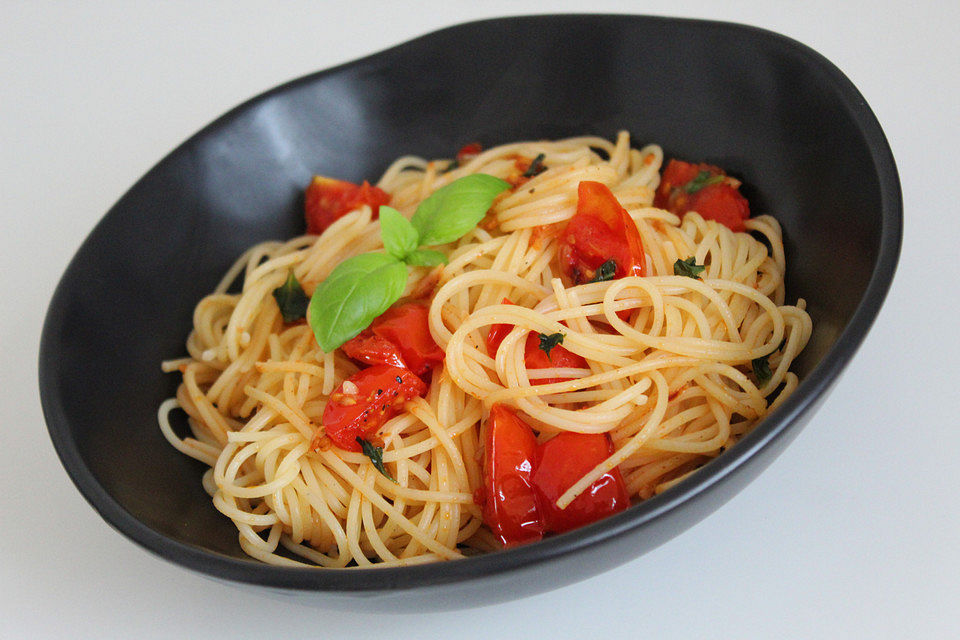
(453, 210)
(291, 299)
(353, 295)
(761, 369)
(702, 180)
(399, 236)
(425, 258)
(688, 267)
(548, 342)
(376, 456)
(606, 271)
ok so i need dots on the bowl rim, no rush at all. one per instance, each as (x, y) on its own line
(809, 392)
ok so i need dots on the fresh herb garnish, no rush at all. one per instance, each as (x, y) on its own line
(702, 179)
(761, 370)
(291, 299)
(688, 267)
(548, 342)
(376, 457)
(605, 271)
(362, 287)
(536, 167)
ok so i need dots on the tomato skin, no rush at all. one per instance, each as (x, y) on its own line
(468, 152)
(601, 230)
(533, 356)
(560, 463)
(510, 506)
(720, 201)
(327, 199)
(400, 337)
(536, 358)
(381, 392)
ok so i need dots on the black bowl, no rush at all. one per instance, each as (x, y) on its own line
(759, 104)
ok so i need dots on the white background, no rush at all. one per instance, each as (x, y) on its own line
(854, 532)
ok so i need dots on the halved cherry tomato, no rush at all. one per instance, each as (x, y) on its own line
(510, 503)
(327, 199)
(560, 463)
(367, 399)
(533, 356)
(703, 188)
(468, 152)
(536, 358)
(601, 230)
(400, 337)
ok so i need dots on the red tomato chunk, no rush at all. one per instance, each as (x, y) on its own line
(703, 188)
(523, 480)
(327, 199)
(363, 402)
(400, 337)
(601, 230)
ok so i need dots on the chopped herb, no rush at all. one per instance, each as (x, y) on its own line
(548, 342)
(605, 271)
(291, 299)
(376, 457)
(688, 267)
(703, 179)
(761, 369)
(536, 167)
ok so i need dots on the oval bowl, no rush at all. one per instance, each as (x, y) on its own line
(757, 103)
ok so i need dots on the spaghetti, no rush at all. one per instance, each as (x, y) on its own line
(667, 370)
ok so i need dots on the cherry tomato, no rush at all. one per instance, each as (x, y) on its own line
(510, 503)
(533, 356)
(367, 399)
(601, 230)
(468, 152)
(400, 337)
(703, 188)
(560, 463)
(327, 199)
(536, 358)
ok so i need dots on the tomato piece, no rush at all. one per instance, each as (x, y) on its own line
(496, 333)
(601, 230)
(560, 463)
(468, 152)
(370, 348)
(703, 188)
(365, 400)
(509, 502)
(536, 358)
(399, 337)
(533, 356)
(327, 199)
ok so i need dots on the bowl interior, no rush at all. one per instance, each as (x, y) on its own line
(767, 109)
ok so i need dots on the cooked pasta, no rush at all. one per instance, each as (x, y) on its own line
(666, 361)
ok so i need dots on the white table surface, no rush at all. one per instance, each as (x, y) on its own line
(853, 532)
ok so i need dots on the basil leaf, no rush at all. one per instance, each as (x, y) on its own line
(761, 369)
(453, 210)
(688, 267)
(548, 342)
(425, 258)
(399, 236)
(291, 299)
(376, 456)
(536, 167)
(702, 180)
(357, 291)
(606, 271)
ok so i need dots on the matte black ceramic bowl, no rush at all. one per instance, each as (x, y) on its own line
(761, 105)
